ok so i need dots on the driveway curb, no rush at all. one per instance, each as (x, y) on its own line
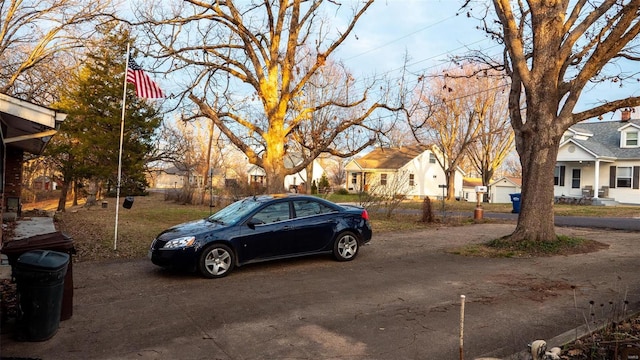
(565, 338)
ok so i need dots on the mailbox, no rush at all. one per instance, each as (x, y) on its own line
(481, 189)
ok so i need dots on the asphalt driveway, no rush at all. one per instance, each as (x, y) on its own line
(400, 299)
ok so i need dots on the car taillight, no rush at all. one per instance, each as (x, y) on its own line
(365, 215)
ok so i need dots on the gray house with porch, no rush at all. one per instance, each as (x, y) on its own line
(600, 161)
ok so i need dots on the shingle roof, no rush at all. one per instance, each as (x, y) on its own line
(606, 139)
(390, 158)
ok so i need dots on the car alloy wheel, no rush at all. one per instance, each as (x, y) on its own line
(345, 247)
(216, 261)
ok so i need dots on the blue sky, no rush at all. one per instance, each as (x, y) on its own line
(429, 31)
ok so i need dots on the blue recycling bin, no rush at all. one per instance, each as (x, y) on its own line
(515, 200)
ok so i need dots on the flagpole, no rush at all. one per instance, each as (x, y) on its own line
(124, 99)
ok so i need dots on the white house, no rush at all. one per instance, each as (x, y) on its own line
(600, 160)
(173, 178)
(257, 175)
(416, 165)
(468, 192)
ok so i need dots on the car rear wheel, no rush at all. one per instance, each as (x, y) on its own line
(346, 247)
(216, 261)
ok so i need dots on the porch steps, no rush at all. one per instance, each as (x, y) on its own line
(604, 202)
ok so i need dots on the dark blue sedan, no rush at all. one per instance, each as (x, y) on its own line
(261, 228)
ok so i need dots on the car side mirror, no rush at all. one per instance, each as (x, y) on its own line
(253, 222)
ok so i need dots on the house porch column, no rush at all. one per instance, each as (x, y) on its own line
(596, 182)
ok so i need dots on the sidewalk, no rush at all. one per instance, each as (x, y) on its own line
(26, 228)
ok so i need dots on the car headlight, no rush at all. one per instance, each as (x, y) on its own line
(180, 242)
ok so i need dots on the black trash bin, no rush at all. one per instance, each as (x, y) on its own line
(56, 241)
(40, 282)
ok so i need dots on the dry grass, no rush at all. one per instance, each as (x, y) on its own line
(93, 228)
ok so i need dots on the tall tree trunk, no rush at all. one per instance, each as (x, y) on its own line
(275, 179)
(208, 173)
(62, 200)
(273, 158)
(309, 179)
(75, 192)
(451, 184)
(538, 150)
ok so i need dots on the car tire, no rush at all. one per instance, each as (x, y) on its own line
(216, 261)
(346, 246)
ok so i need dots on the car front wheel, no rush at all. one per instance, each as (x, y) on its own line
(346, 247)
(216, 261)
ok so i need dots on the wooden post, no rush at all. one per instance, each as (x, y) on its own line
(462, 298)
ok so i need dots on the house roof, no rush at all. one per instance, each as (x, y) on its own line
(390, 158)
(516, 181)
(605, 139)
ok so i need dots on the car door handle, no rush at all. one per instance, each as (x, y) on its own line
(287, 228)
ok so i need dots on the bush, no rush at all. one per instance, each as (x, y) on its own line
(342, 191)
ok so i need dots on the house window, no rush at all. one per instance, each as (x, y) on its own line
(412, 181)
(575, 179)
(432, 158)
(558, 176)
(383, 179)
(631, 139)
(623, 177)
(354, 178)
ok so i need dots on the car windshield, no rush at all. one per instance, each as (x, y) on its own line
(235, 211)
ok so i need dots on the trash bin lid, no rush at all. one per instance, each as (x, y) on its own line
(56, 241)
(43, 260)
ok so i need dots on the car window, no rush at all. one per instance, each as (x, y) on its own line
(273, 213)
(310, 207)
(235, 211)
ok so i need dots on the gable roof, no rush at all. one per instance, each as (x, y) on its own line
(605, 139)
(390, 158)
(515, 181)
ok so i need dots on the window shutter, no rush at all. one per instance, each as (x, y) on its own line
(612, 177)
(561, 180)
(636, 177)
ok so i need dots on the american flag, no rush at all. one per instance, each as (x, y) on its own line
(145, 87)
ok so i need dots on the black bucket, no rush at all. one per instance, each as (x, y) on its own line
(128, 202)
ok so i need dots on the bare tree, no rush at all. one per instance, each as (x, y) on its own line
(337, 173)
(552, 51)
(267, 55)
(386, 194)
(40, 40)
(197, 150)
(448, 116)
(317, 133)
(495, 140)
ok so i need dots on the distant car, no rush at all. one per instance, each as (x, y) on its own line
(261, 228)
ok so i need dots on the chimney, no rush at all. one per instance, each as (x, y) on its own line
(626, 114)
